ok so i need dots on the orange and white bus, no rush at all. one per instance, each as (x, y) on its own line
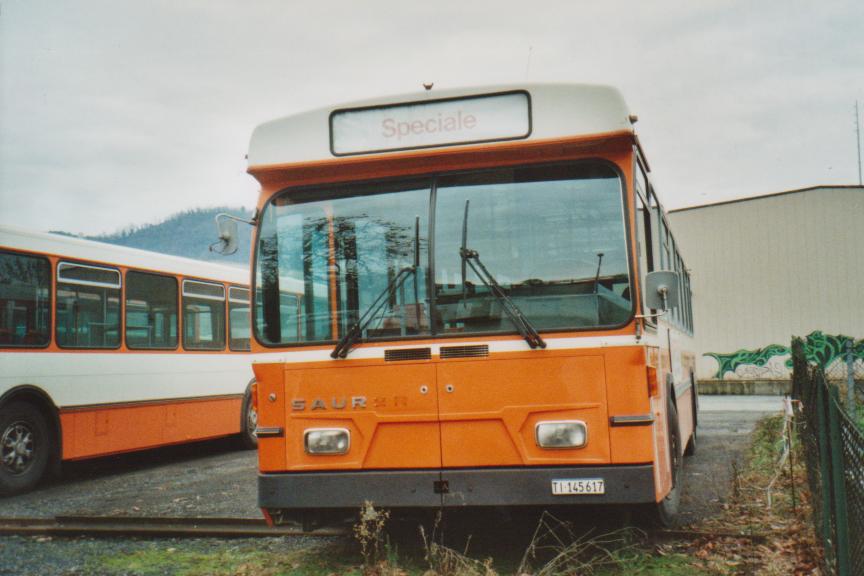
(493, 311)
(106, 349)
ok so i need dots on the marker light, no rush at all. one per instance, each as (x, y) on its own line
(327, 441)
(561, 434)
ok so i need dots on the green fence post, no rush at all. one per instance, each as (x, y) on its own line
(838, 476)
(824, 464)
(851, 401)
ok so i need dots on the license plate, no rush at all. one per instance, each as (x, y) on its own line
(580, 486)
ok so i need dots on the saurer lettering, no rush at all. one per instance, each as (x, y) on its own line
(343, 403)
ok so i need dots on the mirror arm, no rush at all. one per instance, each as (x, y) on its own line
(252, 222)
(663, 291)
(647, 316)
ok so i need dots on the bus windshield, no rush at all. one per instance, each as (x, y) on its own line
(552, 237)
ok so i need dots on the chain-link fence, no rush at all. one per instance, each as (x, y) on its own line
(845, 369)
(833, 445)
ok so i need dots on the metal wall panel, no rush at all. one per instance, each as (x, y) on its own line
(767, 268)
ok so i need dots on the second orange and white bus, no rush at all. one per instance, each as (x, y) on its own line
(106, 349)
(492, 310)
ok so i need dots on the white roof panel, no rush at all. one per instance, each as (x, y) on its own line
(12, 237)
(557, 111)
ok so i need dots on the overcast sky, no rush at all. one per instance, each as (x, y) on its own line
(118, 113)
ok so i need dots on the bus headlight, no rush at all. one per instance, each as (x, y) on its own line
(561, 434)
(327, 441)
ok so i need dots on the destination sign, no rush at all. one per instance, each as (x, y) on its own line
(489, 118)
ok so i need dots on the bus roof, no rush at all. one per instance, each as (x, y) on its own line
(440, 119)
(12, 237)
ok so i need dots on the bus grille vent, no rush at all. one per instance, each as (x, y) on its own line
(464, 351)
(408, 354)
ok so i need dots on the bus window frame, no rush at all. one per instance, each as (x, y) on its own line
(652, 256)
(51, 298)
(182, 324)
(121, 299)
(433, 176)
(176, 302)
(228, 329)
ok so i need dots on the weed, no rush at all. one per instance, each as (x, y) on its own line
(378, 558)
(444, 561)
(562, 551)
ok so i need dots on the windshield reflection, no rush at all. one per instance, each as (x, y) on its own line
(552, 237)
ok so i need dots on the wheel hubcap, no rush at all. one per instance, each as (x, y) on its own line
(16, 448)
(251, 421)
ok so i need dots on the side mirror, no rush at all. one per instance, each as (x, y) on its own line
(661, 289)
(227, 230)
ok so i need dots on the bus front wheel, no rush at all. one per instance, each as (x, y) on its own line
(25, 447)
(250, 422)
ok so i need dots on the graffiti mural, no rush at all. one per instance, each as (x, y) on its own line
(774, 361)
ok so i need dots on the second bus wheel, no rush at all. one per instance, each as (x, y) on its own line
(250, 422)
(25, 447)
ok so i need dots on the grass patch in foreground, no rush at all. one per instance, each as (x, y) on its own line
(648, 563)
(225, 559)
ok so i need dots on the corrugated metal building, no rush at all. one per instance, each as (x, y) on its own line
(767, 268)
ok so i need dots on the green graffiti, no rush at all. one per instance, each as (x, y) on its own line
(823, 349)
(757, 357)
(820, 349)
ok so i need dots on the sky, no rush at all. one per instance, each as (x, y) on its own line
(115, 114)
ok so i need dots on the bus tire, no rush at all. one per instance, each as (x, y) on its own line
(690, 450)
(25, 447)
(666, 510)
(249, 423)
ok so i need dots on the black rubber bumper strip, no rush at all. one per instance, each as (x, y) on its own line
(528, 486)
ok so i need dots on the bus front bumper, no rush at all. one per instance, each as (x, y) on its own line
(632, 484)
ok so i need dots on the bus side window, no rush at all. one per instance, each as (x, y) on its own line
(203, 315)
(643, 239)
(151, 311)
(88, 306)
(25, 300)
(238, 319)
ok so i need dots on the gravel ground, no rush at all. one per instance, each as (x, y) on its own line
(215, 479)
(211, 479)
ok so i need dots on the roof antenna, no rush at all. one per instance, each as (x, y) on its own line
(528, 63)
(858, 140)
(428, 86)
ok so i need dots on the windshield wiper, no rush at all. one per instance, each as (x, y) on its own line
(344, 345)
(472, 259)
(597, 276)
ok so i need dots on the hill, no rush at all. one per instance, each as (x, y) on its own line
(189, 234)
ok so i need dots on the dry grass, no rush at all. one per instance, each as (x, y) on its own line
(769, 498)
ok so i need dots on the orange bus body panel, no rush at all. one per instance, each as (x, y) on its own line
(392, 399)
(488, 419)
(271, 414)
(114, 429)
